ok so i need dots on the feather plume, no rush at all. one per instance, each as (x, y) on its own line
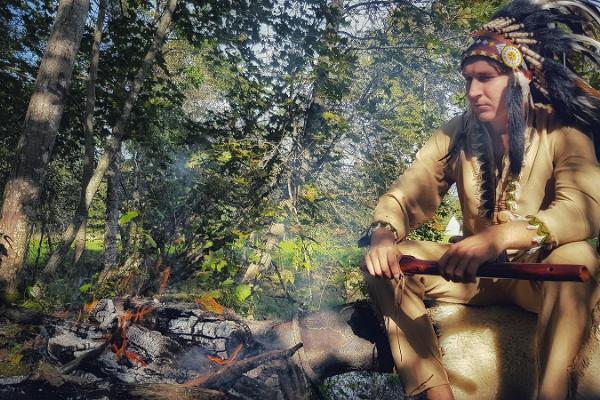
(572, 103)
(589, 8)
(481, 148)
(516, 125)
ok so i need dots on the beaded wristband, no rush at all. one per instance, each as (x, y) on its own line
(543, 234)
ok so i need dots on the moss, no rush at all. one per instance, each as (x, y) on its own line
(14, 367)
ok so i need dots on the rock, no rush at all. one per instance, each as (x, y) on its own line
(364, 385)
(489, 352)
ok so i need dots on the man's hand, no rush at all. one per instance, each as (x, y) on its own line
(462, 260)
(383, 255)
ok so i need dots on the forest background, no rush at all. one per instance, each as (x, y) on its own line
(233, 148)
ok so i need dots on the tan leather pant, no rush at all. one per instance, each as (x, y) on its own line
(563, 308)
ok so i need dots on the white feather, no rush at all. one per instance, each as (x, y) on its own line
(594, 56)
(571, 3)
(585, 40)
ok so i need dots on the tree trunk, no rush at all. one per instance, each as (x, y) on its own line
(88, 126)
(22, 191)
(112, 214)
(114, 143)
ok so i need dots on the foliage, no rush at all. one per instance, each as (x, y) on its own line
(255, 113)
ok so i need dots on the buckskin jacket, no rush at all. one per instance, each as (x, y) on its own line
(558, 187)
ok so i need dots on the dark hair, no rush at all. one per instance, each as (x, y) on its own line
(498, 66)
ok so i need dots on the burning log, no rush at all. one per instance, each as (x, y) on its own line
(234, 355)
(234, 370)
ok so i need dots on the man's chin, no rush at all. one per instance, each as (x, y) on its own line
(485, 116)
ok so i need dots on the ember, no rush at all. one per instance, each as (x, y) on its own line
(119, 341)
(234, 355)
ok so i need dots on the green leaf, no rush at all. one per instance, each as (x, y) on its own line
(125, 218)
(34, 291)
(310, 193)
(207, 244)
(227, 282)
(150, 241)
(224, 158)
(220, 265)
(242, 292)
(86, 287)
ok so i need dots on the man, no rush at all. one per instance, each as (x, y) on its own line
(528, 184)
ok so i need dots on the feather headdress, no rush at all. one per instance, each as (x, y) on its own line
(541, 42)
(552, 36)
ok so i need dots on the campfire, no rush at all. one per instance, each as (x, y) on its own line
(151, 349)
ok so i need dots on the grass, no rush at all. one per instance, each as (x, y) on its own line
(40, 251)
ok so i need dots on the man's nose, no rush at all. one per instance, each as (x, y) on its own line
(474, 90)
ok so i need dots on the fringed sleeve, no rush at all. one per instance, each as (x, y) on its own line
(415, 196)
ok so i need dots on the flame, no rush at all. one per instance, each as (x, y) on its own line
(217, 360)
(124, 322)
(89, 307)
(135, 358)
(230, 360)
(164, 279)
(208, 302)
(135, 316)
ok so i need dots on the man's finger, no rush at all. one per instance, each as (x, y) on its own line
(471, 271)
(459, 271)
(394, 263)
(369, 264)
(451, 263)
(442, 262)
(376, 266)
(384, 265)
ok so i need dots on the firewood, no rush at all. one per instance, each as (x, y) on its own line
(85, 357)
(233, 371)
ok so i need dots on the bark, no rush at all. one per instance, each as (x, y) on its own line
(23, 189)
(114, 143)
(233, 371)
(88, 125)
(39, 250)
(112, 214)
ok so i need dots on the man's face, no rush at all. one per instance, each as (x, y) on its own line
(486, 91)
